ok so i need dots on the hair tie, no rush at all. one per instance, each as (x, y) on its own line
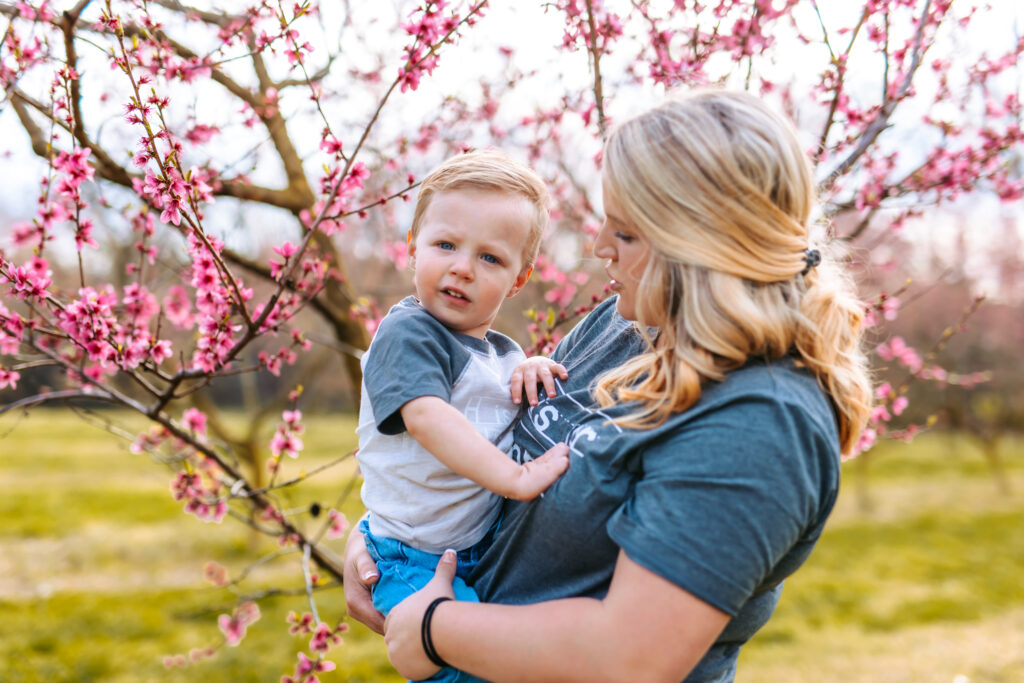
(812, 257)
(425, 638)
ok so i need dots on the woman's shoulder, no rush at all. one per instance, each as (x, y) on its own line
(760, 409)
(602, 328)
(601, 318)
(782, 383)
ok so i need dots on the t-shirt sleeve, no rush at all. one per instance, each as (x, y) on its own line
(723, 499)
(409, 358)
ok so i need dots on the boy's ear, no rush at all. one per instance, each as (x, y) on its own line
(411, 248)
(521, 280)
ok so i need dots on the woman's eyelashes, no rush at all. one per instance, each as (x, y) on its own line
(623, 237)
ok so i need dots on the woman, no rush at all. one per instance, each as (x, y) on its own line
(707, 458)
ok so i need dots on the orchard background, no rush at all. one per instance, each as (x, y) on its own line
(203, 218)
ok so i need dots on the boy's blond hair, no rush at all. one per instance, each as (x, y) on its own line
(489, 170)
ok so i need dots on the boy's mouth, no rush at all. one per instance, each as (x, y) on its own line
(454, 293)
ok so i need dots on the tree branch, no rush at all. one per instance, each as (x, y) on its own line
(40, 399)
(881, 122)
(595, 58)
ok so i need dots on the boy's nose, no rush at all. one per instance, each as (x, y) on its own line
(462, 267)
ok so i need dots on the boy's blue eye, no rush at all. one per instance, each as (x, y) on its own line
(490, 258)
(445, 245)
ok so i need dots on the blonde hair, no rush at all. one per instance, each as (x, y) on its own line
(721, 189)
(492, 171)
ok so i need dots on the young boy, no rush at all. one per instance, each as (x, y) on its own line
(436, 410)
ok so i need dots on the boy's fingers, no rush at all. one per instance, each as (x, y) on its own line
(562, 372)
(531, 393)
(557, 457)
(515, 385)
(548, 380)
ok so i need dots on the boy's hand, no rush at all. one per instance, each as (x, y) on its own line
(538, 474)
(534, 371)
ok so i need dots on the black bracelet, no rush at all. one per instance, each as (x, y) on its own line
(428, 642)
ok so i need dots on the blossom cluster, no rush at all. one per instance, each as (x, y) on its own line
(286, 439)
(202, 495)
(234, 626)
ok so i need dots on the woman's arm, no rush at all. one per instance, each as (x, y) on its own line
(645, 629)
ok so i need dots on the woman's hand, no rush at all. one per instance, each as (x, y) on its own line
(361, 573)
(402, 628)
(534, 371)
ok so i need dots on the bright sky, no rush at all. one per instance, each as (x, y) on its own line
(531, 31)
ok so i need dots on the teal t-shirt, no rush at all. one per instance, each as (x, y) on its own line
(725, 499)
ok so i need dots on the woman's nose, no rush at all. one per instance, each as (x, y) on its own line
(603, 245)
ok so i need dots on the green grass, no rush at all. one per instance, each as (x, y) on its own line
(101, 573)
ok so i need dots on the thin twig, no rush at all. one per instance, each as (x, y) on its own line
(881, 121)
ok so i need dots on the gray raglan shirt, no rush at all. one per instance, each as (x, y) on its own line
(411, 495)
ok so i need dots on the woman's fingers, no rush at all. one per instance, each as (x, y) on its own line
(404, 623)
(445, 572)
(360, 573)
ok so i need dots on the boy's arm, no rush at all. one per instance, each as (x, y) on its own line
(452, 439)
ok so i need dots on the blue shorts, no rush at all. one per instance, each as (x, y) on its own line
(404, 570)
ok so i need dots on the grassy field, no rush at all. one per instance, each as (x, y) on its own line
(101, 574)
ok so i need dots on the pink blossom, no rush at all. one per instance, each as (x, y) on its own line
(398, 252)
(324, 638)
(331, 145)
(866, 441)
(285, 442)
(200, 133)
(177, 307)
(897, 349)
(890, 308)
(215, 573)
(899, 405)
(200, 500)
(300, 625)
(338, 524)
(172, 661)
(233, 627)
(9, 378)
(194, 420)
(161, 351)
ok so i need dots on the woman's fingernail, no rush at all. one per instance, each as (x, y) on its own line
(449, 552)
(369, 575)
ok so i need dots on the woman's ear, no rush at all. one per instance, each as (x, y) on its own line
(521, 280)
